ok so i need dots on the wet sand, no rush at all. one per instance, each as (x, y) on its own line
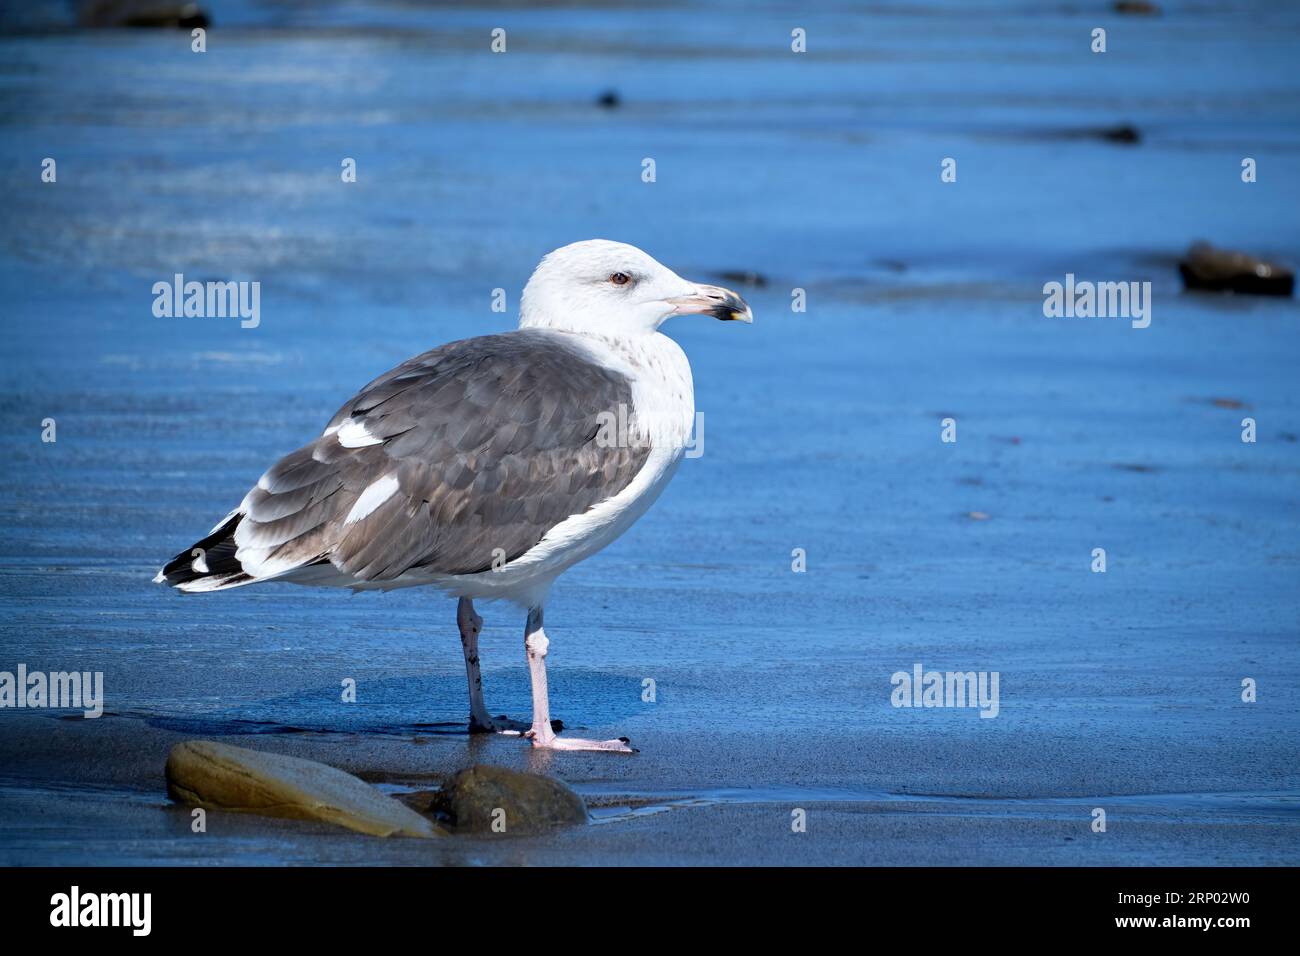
(672, 806)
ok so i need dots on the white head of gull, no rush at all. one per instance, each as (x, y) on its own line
(488, 466)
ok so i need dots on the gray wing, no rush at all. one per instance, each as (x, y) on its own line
(490, 441)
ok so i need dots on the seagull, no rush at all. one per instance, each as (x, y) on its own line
(487, 467)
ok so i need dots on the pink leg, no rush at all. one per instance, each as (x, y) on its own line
(541, 734)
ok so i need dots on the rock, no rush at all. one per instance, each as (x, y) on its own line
(1222, 270)
(421, 801)
(1139, 7)
(217, 776)
(1124, 133)
(470, 801)
(141, 13)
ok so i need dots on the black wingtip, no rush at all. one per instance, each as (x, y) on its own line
(213, 556)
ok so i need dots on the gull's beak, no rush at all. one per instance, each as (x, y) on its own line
(715, 301)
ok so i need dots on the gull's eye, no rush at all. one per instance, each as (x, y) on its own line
(620, 278)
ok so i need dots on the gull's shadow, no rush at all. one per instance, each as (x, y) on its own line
(411, 706)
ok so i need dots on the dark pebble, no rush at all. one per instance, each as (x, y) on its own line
(1222, 270)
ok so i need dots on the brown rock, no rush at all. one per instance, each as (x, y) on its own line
(141, 13)
(1123, 133)
(217, 776)
(1222, 270)
(1138, 7)
(471, 799)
